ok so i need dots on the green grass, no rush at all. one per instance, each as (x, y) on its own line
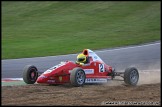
(47, 28)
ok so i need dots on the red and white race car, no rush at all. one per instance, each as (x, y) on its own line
(96, 71)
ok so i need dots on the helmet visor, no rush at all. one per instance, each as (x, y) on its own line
(81, 59)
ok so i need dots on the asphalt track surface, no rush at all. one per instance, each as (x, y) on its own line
(143, 57)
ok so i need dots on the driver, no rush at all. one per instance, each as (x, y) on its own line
(82, 59)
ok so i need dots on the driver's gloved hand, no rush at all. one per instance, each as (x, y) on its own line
(81, 64)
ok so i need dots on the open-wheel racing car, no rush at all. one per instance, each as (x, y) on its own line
(96, 71)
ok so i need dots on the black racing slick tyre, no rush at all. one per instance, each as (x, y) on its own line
(30, 74)
(131, 76)
(77, 77)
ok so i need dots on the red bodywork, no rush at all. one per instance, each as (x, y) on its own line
(60, 73)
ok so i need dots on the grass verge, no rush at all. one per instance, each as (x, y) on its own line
(47, 28)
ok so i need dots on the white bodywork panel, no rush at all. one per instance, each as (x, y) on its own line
(94, 56)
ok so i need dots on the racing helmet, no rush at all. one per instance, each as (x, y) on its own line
(81, 58)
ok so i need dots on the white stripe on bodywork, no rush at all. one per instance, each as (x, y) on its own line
(89, 71)
(96, 80)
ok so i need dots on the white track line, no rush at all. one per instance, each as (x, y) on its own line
(129, 47)
(12, 79)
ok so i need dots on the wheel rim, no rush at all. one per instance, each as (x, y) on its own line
(33, 74)
(80, 77)
(134, 76)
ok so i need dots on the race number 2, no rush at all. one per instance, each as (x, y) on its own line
(101, 68)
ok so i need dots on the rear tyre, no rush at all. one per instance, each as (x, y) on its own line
(131, 76)
(77, 77)
(30, 74)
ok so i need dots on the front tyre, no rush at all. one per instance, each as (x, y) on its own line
(30, 74)
(131, 76)
(77, 77)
